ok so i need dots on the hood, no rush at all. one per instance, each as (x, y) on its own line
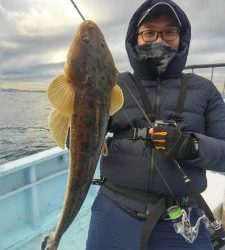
(145, 70)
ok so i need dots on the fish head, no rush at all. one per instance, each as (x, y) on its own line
(89, 57)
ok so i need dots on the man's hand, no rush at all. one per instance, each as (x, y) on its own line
(173, 142)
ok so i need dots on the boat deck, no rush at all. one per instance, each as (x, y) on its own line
(31, 197)
(75, 236)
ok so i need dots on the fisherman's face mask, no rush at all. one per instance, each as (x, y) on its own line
(159, 54)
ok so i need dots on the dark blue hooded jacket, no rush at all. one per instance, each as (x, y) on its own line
(129, 162)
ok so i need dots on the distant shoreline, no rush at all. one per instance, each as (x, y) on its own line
(22, 90)
(42, 87)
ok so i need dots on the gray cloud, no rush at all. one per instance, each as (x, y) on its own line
(28, 44)
(34, 73)
(19, 5)
(26, 53)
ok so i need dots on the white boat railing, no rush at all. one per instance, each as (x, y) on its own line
(25, 187)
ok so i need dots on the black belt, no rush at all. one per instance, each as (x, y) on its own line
(142, 206)
(139, 209)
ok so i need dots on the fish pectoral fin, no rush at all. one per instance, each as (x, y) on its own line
(117, 100)
(61, 95)
(59, 126)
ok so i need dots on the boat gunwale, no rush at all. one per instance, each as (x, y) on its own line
(28, 161)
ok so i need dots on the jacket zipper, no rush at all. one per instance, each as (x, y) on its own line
(157, 110)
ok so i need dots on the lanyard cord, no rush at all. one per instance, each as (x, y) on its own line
(150, 124)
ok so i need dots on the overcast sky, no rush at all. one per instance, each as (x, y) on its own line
(35, 34)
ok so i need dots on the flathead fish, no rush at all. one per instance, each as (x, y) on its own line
(83, 99)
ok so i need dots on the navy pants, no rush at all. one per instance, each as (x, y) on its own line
(113, 229)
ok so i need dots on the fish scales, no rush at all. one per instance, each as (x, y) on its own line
(88, 131)
(91, 70)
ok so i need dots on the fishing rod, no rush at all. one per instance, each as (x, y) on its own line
(77, 10)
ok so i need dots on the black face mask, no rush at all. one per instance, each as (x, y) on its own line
(158, 54)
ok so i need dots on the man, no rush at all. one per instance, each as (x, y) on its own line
(169, 119)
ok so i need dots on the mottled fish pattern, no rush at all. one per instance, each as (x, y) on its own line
(83, 97)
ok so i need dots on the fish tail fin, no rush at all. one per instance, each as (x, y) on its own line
(48, 243)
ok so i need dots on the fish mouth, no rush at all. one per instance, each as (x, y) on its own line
(89, 33)
(88, 30)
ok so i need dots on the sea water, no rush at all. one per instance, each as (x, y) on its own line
(23, 124)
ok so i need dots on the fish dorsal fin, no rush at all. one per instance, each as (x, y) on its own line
(61, 95)
(117, 100)
(59, 126)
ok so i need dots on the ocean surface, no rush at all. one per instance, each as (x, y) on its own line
(23, 124)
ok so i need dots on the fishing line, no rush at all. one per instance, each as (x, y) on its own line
(138, 104)
(143, 112)
(160, 173)
(77, 10)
